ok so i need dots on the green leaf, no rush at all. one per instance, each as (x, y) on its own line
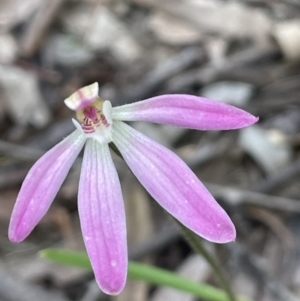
(162, 277)
(147, 273)
(72, 258)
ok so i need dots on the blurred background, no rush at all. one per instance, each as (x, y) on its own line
(245, 53)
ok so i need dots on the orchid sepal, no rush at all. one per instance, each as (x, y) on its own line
(186, 111)
(42, 184)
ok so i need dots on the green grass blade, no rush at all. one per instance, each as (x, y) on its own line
(147, 273)
(66, 257)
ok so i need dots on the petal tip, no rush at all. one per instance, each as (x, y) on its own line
(17, 232)
(15, 237)
(248, 120)
(252, 120)
(221, 232)
(113, 287)
(228, 235)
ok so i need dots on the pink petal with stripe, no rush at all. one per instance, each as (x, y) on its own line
(186, 111)
(173, 185)
(102, 217)
(42, 184)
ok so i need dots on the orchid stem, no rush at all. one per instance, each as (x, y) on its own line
(115, 150)
(195, 243)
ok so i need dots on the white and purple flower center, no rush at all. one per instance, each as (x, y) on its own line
(93, 113)
(93, 118)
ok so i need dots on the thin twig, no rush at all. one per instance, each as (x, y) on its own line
(39, 25)
(160, 74)
(237, 196)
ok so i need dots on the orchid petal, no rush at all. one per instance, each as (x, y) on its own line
(185, 111)
(42, 184)
(173, 185)
(102, 217)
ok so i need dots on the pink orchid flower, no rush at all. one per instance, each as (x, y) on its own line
(164, 175)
